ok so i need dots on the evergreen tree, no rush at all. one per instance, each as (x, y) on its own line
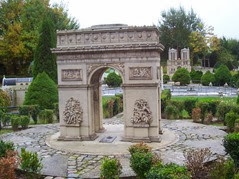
(222, 75)
(181, 75)
(44, 60)
(207, 78)
(42, 92)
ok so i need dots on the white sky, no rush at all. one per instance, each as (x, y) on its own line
(223, 15)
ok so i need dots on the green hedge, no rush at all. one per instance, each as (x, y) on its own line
(47, 116)
(231, 144)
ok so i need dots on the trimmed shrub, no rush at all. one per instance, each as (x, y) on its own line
(213, 106)
(32, 110)
(196, 76)
(231, 144)
(189, 104)
(196, 114)
(181, 75)
(168, 171)
(15, 121)
(204, 106)
(30, 162)
(224, 108)
(141, 163)
(113, 80)
(47, 116)
(24, 121)
(222, 75)
(230, 120)
(207, 78)
(209, 118)
(165, 98)
(42, 91)
(166, 79)
(56, 111)
(178, 104)
(6, 119)
(110, 168)
(172, 112)
(4, 147)
(140, 147)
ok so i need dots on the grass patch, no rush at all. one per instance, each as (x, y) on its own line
(4, 131)
(207, 98)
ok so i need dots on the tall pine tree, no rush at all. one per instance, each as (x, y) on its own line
(44, 60)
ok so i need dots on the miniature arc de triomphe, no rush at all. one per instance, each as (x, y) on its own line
(82, 58)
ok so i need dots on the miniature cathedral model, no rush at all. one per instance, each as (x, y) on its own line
(175, 63)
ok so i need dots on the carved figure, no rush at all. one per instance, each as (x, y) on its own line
(73, 113)
(142, 113)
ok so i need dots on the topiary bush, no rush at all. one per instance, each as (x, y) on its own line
(42, 91)
(166, 79)
(207, 78)
(32, 110)
(196, 114)
(30, 161)
(231, 144)
(47, 116)
(222, 75)
(110, 168)
(230, 120)
(189, 104)
(113, 80)
(15, 121)
(196, 76)
(181, 75)
(24, 121)
(172, 112)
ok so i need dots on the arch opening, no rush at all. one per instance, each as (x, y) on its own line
(98, 85)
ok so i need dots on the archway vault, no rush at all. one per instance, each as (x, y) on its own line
(83, 55)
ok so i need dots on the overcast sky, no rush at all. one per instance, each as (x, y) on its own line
(223, 15)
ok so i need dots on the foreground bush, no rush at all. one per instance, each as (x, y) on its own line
(4, 147)
(172, 112)
(8, 164)
(24, 121)
(189, 104)
(140, 147)
(15, 122)
(168, 171)
(181, 75)
(195, 160)
(42, 91)
(110, 168)
(231, 144)
(30, 162)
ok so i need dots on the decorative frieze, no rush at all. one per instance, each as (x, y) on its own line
(71, 75)
(73, 113)
(140, 73)
(142, 113)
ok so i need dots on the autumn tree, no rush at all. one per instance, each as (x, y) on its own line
(44, 60)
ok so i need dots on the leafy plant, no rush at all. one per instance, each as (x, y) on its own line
(4, 147)
(195, 160)
(30, 162)
(207, 78)
(166, 79)
(110, 168)
(113, 80)
(231, 144)
(140, 147)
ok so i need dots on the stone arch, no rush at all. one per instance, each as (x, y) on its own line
(83, 55)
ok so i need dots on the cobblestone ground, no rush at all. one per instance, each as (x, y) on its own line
(58, 164)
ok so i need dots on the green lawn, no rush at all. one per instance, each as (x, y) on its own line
(207, 98)
(4, 131)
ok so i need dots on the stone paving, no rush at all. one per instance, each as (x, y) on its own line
(58, 164)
